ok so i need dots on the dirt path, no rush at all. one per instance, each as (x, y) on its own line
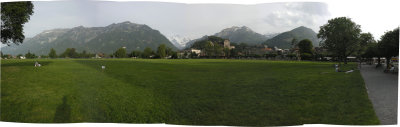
(382, 91)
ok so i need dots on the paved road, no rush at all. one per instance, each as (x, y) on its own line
(382, 91)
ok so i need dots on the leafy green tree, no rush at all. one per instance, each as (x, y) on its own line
(120, 53)
(52, 53)
(147, 52)
(306, 56)
(340, 36)
(70, 53)
(169, 51)
(209, 49)
(13, 16)
(30, 55)
(227, 52)
(135, 54)
(174, 55)
(161, 51)
(365, 40)
(389, 45)
(44, 56)
(305, 46)
(218, 50)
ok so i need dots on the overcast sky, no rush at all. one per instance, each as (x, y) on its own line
(196, 20)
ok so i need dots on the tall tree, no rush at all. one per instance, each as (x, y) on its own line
(161, 51)
(365, 40)
(389, 45)
(13, 16)
(120, 53)
(340, 36)
(52, 53)
(147, 52)
(305, 46)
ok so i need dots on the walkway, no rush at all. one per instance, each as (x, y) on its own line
(382, 91)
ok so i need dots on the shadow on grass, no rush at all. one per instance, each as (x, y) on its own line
(26, 63)
(63, 112)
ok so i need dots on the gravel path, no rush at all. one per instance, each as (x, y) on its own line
(382, 90)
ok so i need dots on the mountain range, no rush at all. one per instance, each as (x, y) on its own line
(92, 39)
(237, 35)
(246, 35)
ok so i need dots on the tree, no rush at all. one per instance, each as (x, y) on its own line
(30, 55)
(227, 52)
(69, 53)
(52, 53)
(389, 45)
(120, 53)
(209, 49)
(13, 16)
(147, 52)
(161, 51)
(365, 40)
(340, 36)
(305, 46)
(135, 54)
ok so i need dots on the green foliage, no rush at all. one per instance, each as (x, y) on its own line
(30, 55)
(203, 43)
(161, 51)
(120, 53)
(340, 36)
(365, 40)
(305, 46)
(13, 16)
(389, 44)
(70, 53)
(135, 53)
(147, 52)
(306, 56)
(52, 53)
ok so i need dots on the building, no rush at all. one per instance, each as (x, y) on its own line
(227, 44)
(197, 51)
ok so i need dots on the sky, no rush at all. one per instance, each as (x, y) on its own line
(194, 19)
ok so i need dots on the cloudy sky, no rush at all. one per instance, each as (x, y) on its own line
(196, 19)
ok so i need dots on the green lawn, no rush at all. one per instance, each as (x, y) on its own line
(199, 92)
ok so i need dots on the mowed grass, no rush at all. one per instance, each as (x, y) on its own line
(194, 92)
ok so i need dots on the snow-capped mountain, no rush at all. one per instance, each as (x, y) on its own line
(179, 41)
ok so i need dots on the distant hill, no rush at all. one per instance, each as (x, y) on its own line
(241, 35)
(237, 35)
(92, 39)
(201, 44)
(284, 40)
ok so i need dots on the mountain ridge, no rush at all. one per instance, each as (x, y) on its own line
(92, 39)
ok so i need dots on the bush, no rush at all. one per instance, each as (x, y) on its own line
(306, 56)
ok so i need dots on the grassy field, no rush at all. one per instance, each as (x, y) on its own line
(199, 92)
